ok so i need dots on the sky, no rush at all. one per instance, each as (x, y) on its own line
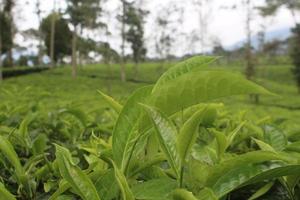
(224, 24)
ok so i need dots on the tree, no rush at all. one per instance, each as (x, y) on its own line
(62, 41)
(8, 26)
(40, 38)
(166, 23)
(272, 49)
(82, 14)
(1, 42)
(271, 8)
(204, 12)
(109, 55)
(52, 36)
(135, 34)
(250, 67)
(295, 53)
(121, 18)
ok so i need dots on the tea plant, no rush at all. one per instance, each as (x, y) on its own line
(170, 140)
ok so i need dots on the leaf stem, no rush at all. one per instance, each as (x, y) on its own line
(181, 178)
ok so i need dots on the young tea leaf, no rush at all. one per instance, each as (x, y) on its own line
(124, 133)
(201, 86)
(113, 103)
(183, 68)
(166, 134)
(188, 133)
(122, 182)
(78, 180)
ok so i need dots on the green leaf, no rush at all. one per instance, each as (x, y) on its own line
(113, 103)
(275, 173)
(234, 178)
(232, 134)
(250, 174)
(207, 194)
(264, 146)
(200, 86)
(182, 194)
(122, 182)
(107, 185)
(263, 190)
(78, 114)
(78, 180)
(23, 130)
(188, 133)
(222, 143)
(63, 186)
(8, 151)
(253, 157)
(124, 133)
(295, 146)
(39, 144)
(183, 68)
(156, 189)
(166, 134)
(5, 194)
(275, 138)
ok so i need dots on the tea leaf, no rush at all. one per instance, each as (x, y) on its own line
(78, 180)
(113, 103)
(5, 194)
(124, 134)
(166, 133)
(183, 68)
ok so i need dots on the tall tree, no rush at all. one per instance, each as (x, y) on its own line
(204, 11)
(83, 14)
(62, 42)
(6, 41)
(1, 28)
(250, 67)
(134, 18)
(166, 23)
(271, 7)
(40, 38)
(52, 36)
(121, 18)
(295, 53)
(8, 14)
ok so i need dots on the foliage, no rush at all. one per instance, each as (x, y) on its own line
(295, 53)
(63, 36)
(6, 36)
(170, 140)
(273, 5)
(135, 34)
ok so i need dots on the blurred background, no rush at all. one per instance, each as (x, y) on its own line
(58, 53)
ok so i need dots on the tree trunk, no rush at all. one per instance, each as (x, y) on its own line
(136, 70)
(10, 61)
(248, 54)
(52, 37)
(107, 63)
(74, 52)
(1, 76)
(250, 68)
(123, 63)
(40, 53)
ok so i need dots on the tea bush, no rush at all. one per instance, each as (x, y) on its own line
(171, 140)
